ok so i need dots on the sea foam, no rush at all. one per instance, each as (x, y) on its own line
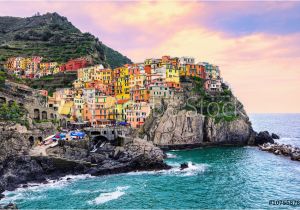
(25, 192)
(193, 169)
(108, 196)
(170, 155)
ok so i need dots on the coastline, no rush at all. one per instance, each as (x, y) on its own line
(57, 176)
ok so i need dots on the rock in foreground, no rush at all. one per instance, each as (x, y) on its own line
(135, 156)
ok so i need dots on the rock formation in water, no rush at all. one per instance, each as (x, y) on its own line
(282, 149)
(264, 137)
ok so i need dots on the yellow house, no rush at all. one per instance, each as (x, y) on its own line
(87, 74)
(80, 74)
(25, 63)
(121, 108)
(148, 61)
(105, 76)
(172, 74)
(137, 79)
(53, 65)
(122, 87)
(55, 70)
(105, 107)
(66, 108)
(78, 106)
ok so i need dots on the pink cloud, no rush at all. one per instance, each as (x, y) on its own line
(262, 68)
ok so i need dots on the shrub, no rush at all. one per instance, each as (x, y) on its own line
(12, 112)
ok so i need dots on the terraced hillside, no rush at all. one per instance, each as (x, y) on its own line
(54, 38)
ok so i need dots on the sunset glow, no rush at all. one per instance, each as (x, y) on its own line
(256, 44)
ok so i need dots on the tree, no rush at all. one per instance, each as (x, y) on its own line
(4, 111)
(15, 111)
(12, 112)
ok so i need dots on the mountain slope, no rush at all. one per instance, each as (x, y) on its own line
(54, 38)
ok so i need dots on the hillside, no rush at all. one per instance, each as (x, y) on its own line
(52, 82)
(54, 38)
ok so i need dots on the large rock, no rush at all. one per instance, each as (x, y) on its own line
(18, 170)
(263, 137)
(16, 166)
(184, 127)
(13, 140)
(236, 132)
(275, 136)
(134, 156)
(295, 156)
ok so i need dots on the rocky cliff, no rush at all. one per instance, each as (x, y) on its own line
(18, 166)
(178, 126)
(188, 128)
(137, 154)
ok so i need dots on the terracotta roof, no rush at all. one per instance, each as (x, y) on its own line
(122, 101)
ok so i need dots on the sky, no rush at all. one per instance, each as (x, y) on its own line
(256, 44)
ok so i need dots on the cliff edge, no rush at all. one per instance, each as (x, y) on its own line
(197, 118)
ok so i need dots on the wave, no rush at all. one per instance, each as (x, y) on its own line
(170, 155)
(25, 192)
(192, 170)
(106, 197)
(297, 169)
(14, 196)
(249, 147)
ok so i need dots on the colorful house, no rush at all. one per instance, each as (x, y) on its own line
(172, 74)
(128, 93)
(75, 64)
(136, 113)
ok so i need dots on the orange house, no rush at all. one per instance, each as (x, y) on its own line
(173, 85)
(87, 114)
(134, 70)
(139, 94)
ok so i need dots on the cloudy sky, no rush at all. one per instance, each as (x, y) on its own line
(256, 44)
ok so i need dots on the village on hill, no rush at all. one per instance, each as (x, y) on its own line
(124, 95)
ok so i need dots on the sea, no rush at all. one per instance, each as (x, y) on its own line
(217, 178)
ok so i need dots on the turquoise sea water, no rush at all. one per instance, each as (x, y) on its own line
(232, 177)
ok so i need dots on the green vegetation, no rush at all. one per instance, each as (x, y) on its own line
(13, 112)
(52, 82)
(2, 78)
(5, 76)
(220, 105)
(54, 38)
